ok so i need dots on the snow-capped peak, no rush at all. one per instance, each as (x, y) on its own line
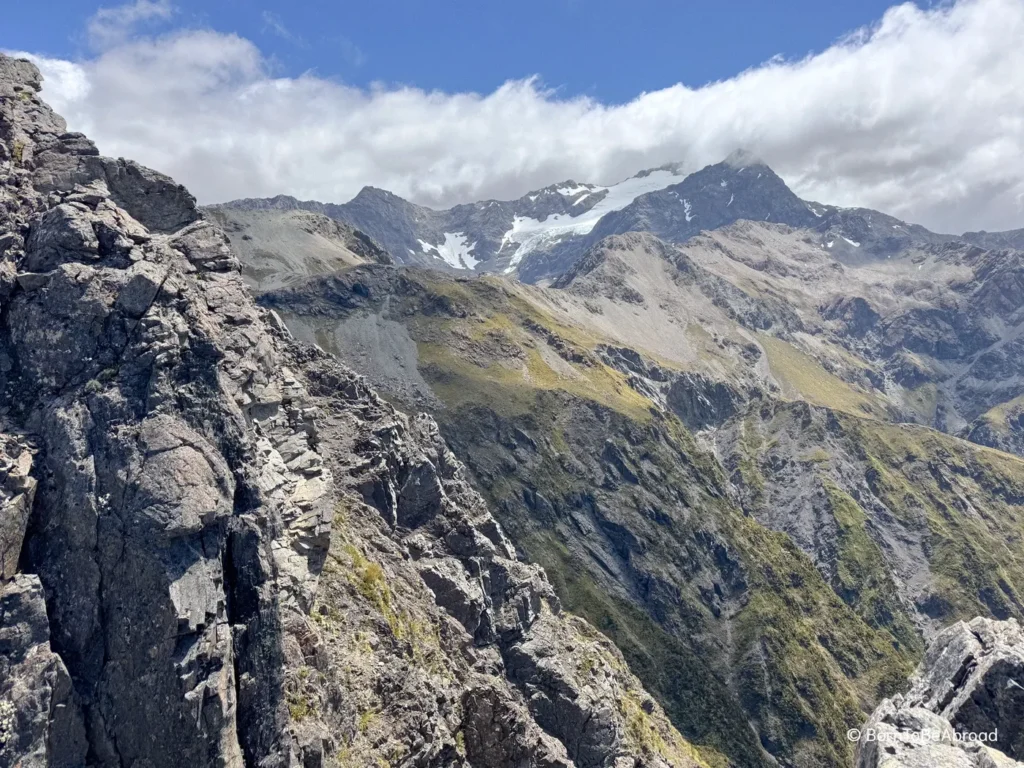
(454, 251)
(529, 234)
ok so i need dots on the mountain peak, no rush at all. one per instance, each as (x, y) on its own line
(743, 158)
(740, 187)
(678, 168)
(374, 193)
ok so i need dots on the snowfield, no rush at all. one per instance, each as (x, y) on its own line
(454, 251)
(530, 234)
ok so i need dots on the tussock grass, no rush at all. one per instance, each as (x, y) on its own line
(802, 377)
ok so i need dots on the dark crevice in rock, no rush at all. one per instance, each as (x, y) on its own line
(256, 631)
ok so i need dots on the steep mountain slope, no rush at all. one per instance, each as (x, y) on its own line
(699, 444)
(1013, 238)
(928, 335)
(222, 548)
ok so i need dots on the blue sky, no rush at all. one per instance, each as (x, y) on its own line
(611, 50)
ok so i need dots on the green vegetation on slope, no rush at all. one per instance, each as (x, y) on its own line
(633, 511)
(808, 665)
(749, 643)
(999, 416)
(802, 377)
(952, 507)
(970, 499)
(676, 672)
(862, 576)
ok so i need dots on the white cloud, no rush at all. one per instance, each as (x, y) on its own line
(921, 116)
(109, 27)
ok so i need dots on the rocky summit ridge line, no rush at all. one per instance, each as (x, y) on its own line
(539, 236)
(222, 548)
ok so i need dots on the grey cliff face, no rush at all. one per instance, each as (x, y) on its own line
(147, 391)
(221, 548)
(964, 706)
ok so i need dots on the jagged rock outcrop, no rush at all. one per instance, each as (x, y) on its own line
(965, 706)
(698, 401)
(157, 406)
(221, 548)
(16, 497)
(40, 716)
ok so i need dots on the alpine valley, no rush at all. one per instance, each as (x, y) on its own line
(769, 446)
(701, 474)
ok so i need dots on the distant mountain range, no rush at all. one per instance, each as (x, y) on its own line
(489, 236)
(541, 234)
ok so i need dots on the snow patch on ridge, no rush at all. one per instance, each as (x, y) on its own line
(530, 234)
(454, 251)
(572, 191)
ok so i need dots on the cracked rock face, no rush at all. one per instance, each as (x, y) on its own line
(40, 718)
(968, 684)
(220, 548)
(150, 394)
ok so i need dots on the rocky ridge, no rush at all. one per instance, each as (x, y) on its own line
(1013, 238)
(279, 247)
(963, 708)
(234, 552)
